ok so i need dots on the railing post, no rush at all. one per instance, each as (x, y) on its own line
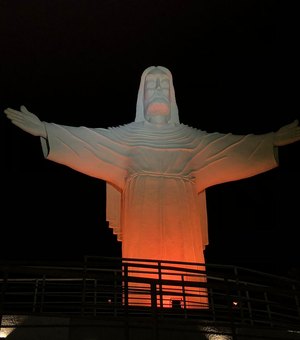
(95, 297)
(36, 287)
(83, 293)
(154, 309)
(125, 294)
(229, 306)
(125, 285)
(153, 297)
(43, 293)
(115, 293)
(249, 307)
(212, 303)
(240, 303)
(296, 299)
(183, 295)
(161, 301)
(268, 308)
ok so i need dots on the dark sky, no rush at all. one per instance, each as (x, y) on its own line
(235, 69)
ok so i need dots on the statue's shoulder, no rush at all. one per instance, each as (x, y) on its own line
(191, 129)
(121, 132)
(125, 126)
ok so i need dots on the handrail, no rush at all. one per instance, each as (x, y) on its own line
(121, 288)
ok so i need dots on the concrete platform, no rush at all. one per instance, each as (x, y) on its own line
(133, 328)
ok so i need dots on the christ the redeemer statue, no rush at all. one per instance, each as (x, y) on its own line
(157, 169)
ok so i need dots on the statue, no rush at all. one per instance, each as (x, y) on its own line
(157, 169)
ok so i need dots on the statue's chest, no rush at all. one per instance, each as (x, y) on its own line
(160, 159)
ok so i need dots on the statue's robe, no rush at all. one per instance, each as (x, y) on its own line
(157, 179)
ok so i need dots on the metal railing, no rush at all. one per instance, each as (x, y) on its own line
(216, 294)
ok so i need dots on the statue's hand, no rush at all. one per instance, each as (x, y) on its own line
(26, 121)
(287, 134)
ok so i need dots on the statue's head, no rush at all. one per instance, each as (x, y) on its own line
(156, 97)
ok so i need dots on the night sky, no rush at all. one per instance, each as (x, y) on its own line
(235, 66)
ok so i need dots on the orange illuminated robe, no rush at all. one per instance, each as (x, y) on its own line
(157, 179)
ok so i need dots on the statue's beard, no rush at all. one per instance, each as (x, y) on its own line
(158, 108)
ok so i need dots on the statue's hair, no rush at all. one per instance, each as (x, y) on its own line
(140, 113)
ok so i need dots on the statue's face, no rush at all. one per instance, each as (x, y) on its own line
(157, 95)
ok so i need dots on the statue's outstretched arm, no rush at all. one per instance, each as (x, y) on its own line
(287, 134)
(26, 121)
